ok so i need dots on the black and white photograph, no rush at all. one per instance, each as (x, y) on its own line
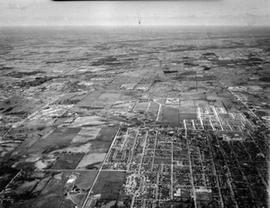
(134, 103)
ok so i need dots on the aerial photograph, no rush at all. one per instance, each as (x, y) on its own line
(135, 104)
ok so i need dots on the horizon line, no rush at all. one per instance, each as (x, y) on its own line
(142, 25)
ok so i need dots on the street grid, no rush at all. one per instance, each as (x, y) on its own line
(168, 152)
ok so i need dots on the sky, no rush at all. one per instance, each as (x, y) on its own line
(119, 13)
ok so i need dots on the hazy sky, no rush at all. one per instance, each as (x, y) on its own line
(184, 12)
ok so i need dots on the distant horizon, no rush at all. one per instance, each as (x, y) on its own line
(131, 13)
(138, 25)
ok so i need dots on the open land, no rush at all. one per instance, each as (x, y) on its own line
(138, 117)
